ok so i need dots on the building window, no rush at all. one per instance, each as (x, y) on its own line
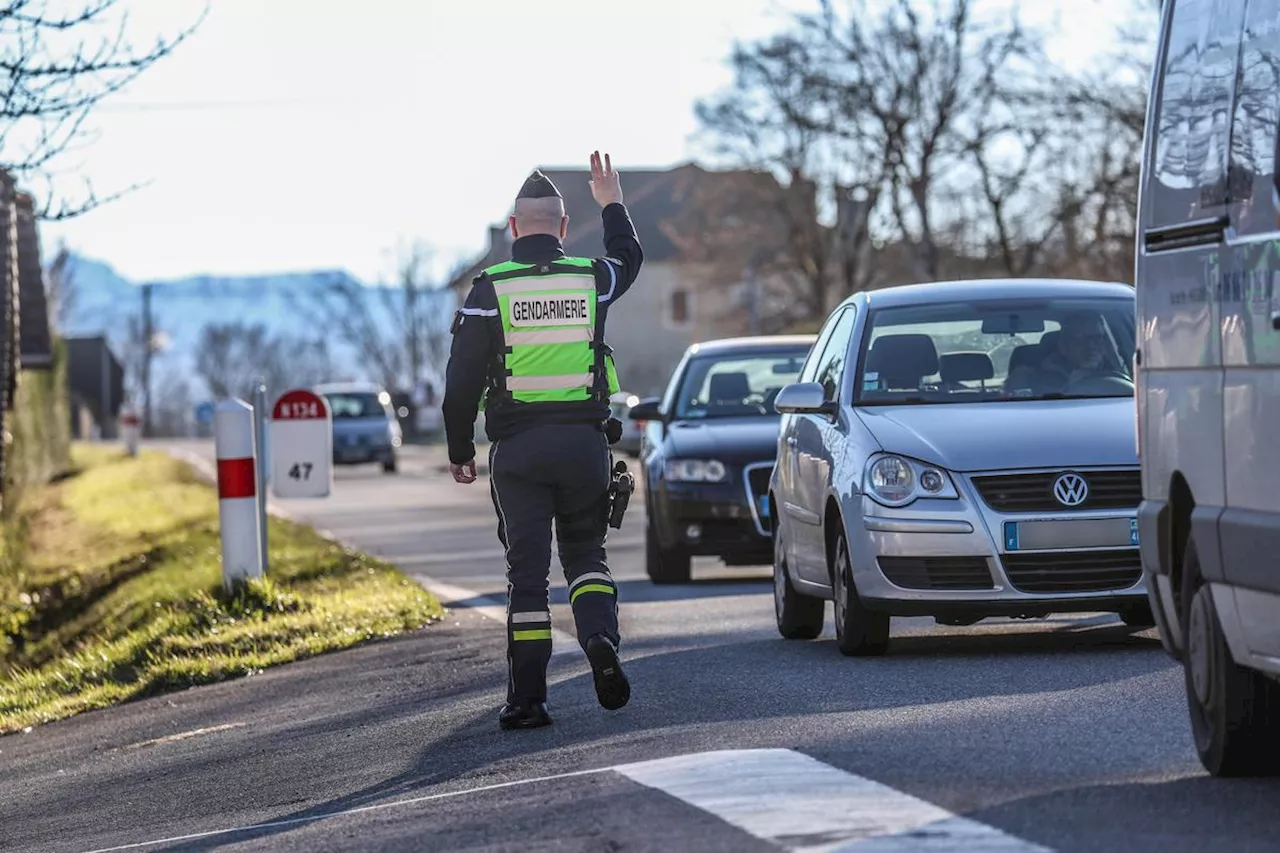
(678, 307)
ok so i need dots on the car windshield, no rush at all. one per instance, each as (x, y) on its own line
(988, 351)
(737, 385)
(347, 406)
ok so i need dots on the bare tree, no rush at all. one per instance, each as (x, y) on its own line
(399, 331)
(54, 70)
(231, 358)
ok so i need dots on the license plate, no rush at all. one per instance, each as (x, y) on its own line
(1065, 534)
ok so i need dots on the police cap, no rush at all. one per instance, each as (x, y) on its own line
(538, 185)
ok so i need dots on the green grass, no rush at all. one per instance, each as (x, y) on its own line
(111, 589)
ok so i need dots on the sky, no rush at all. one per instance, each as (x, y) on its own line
(290, 135)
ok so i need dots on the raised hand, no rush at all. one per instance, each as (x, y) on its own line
(605, 185)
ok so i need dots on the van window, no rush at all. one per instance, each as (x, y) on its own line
(1193, 120)
(1253, 132)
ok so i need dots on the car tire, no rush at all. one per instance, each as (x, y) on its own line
(390, 466)
(1235, 711)
(1137, 615)
(799, 617)
(859, 631)
(665, 565)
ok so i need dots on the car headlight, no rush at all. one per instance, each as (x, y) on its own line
(897, 481)
(695, 471)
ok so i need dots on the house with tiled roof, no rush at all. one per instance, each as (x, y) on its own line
(678, 299)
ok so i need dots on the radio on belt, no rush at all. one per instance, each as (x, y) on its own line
(301, 445)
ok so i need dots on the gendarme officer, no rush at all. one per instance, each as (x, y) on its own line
(528, 347)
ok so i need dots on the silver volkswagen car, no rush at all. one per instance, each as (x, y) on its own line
(960, 450)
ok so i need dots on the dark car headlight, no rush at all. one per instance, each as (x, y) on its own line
(696, 471)
(896, 481)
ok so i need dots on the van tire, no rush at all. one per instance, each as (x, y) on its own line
(1235, 711)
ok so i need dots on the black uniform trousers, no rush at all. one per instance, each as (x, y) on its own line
(549, 473)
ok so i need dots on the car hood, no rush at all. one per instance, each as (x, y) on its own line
(1015, 434)
(736, 440)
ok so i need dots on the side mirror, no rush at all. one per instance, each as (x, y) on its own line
(804, 398)
(646, 410)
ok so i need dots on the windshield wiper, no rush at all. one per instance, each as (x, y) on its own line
(901, 401)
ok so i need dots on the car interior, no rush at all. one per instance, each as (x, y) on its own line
(910, 365)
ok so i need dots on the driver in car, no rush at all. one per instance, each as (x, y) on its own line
(1081, 353)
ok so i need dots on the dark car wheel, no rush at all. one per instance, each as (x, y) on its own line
(859, 632)
(799, 617)
(1235, 711)
(663, 565)
(1138, 615)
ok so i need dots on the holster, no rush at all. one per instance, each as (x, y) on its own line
(620, 489)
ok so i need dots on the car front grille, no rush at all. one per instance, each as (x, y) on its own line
(937, 572)
(758, 488)
(1034, 492)
(1074, 571)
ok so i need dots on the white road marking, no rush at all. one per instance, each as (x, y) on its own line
(185, 735)
(780, 796)
(562, 643)
(801, 804)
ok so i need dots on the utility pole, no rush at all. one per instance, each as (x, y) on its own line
(148, 335)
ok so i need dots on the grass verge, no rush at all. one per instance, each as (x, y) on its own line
(111, 589)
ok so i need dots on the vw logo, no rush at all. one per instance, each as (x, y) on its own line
(1070, 489)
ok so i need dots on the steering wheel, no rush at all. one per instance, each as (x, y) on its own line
(1107, 382)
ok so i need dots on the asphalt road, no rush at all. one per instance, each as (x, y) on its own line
(1067, 735)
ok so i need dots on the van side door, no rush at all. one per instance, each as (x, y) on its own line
(1250, 525)
(1182, 224)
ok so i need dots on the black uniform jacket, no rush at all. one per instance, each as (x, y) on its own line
(477, 339)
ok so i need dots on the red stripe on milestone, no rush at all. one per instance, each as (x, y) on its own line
(236, 478)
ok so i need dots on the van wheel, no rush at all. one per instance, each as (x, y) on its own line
(799, 617)
(859, 632)
(662, 565)
(1235, 711)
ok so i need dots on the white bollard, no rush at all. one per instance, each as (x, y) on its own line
(130, 427)
(233, 434)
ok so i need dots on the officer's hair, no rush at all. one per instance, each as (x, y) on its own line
(539, 214)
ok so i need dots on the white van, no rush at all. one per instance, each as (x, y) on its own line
(1208, 371)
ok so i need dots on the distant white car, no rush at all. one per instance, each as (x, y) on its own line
(620, 406)
(365, 426)
(914, 479)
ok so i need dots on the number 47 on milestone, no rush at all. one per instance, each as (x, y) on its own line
(301, 445)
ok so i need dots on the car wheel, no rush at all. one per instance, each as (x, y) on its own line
(1138, 615)
(390, 466)
(859, 632)
(799, 617)
(663, 565)
(1235, 711)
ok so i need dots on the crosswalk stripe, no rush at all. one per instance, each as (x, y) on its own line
(798, 803)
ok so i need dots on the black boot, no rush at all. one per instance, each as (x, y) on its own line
(524, 714)
(612, 688)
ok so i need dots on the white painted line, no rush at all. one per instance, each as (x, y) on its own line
(562, 643)
(254, 827)
(801, 804)
(780, 796)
